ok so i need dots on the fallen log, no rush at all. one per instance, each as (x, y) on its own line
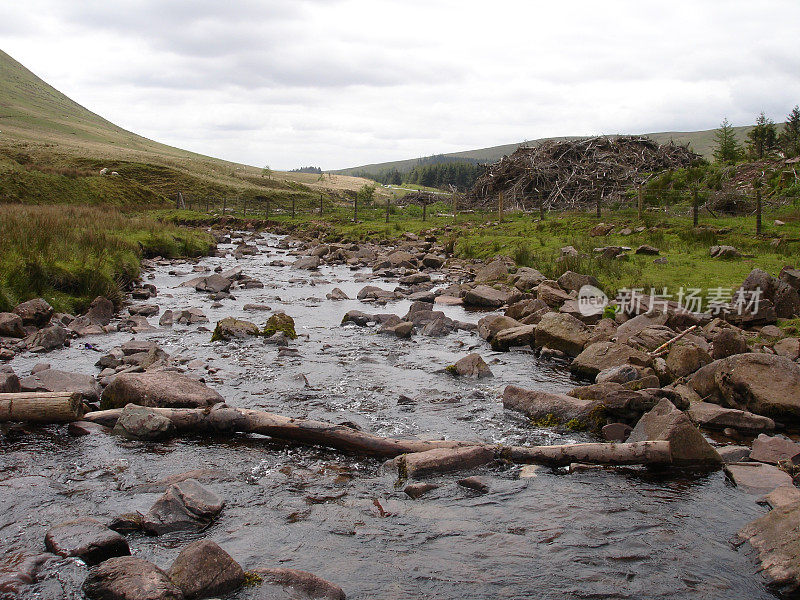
(41, 407)
(222, 419)
(631, 453)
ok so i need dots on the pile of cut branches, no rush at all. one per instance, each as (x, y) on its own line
(568, 174)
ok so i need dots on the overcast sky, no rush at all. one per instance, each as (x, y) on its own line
(339, 83)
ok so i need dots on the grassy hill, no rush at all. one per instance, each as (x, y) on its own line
(52, 150)
(701, 142)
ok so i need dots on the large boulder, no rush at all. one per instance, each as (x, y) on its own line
(101, 311)
(231, 327)
(129, 578)
(765, 384)
(143, 423)
(49, 338)
(624, 404)
(158, 389)
(602, 355)
(687, 444)
(551, 294)
(35, 312)
(553, 409)
(9, 383)
(471, 365)
(11, 325)
(526, 278)
(774, 537)
(309, 263)
(562, 332)
(185, 506)
(573, 282)
(727, 342)
(87, 539)
(203, 570)
(713, 416)
(485, 296)
(53, 380)
(773, 449)
(514, 336)
(685, 359)
(214, 284)
(524, 309)
(494, 271)
(491, 325)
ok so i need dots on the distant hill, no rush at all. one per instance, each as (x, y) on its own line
(701, 142)
(45, 134)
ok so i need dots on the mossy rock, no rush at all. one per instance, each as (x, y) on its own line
(280, 322)
(230, 327)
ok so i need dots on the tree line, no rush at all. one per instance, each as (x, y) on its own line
(428, 173)
(764, 140)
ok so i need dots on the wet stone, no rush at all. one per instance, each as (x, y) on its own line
(185, 506)
(87, 539)
(129, 578)
(203, 569)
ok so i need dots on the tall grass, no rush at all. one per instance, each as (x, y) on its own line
(71, 254)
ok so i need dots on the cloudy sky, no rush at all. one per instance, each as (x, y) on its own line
(339, 83)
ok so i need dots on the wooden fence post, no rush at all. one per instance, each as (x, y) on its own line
(424, 210)
(640, 200)
(542, 211)
(758, 209)
(500, 207)
(598, 195)
(695, 207)
(320, 205)
(455, 206)
(355, 209)
(293, 209)
(224, 205)
(267, 208)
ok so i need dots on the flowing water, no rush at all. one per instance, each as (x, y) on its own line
(624, 533)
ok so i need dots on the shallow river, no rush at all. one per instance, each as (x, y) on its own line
(626, 533)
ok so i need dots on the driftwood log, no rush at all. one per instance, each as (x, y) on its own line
(41, 407)
(222, 419)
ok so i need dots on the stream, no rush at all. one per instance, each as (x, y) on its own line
(599, 533)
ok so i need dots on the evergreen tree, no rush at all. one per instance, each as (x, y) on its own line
(762, 138)
(790, 136)
(728, 148)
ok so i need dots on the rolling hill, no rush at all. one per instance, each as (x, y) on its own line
(52, 150)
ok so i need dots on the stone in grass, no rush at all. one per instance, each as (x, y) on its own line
(87, 539)
(280, 322)
(471, 365)
(129, 578)
(203, 570)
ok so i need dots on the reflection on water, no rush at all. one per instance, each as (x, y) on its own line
(628, 533)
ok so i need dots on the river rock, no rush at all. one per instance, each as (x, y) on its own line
(619, 374)
(781, 496)
(432, 261)
(203, 570)
(525, 308)
(372, 292)
(213, 284)
(494, 271)
(556, 408)
(9, 383)
(11, 325)
(666, 422)
(101, 311)
(303, 585)
(765, 384)
(87, 539)
(490, 325)
(308, 263)
(145, 310)
(685, 359)
(143, 423)
(526, 278)
(129, 578)
(483, 295)
(783, 296)
(773, 449)
(337, 294)
(551, 294)
(563, 332)
(417, 490)
(35, 312)
(158, 389)
(788, 347)
(573, 282)
(733, 454)
(756, 477)
(231, 327)
(727, 342)
(616, 432)
(603, 355)
(714, 416)
(443, 460)
(515, 336)
(185, 506)
(471, 365)
(49, 338)
(52, 380)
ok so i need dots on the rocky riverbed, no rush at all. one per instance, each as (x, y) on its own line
(509, 531)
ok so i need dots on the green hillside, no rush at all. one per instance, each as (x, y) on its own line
(52, 150)
(701, 142)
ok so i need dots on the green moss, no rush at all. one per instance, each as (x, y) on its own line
(280, 322)
(575, 425)
(252, 579)
(452, 370)
(549, 420)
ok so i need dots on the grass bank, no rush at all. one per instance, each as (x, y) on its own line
(68, 255)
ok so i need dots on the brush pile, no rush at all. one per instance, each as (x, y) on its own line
(421, 198)
(568, 174)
